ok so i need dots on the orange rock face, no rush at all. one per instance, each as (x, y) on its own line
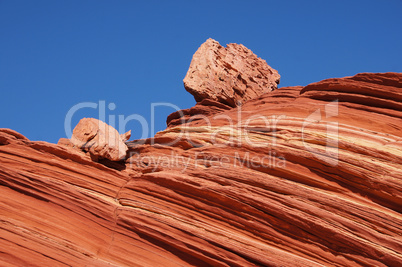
(301, 176)
(230, 75)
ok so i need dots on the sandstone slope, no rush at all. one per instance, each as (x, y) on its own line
(300, 176)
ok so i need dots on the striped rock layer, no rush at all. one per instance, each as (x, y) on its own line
(300, 176)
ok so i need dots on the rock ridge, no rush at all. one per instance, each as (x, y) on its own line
(299, 176)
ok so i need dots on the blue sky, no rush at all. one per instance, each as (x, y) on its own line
(57, 54)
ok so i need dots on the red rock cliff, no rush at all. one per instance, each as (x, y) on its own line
(300, 176)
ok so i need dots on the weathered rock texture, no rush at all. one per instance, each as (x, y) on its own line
(99, 139)
(256, 185)
(201, 110)
(230, 75)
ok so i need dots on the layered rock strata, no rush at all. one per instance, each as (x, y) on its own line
(300, 176)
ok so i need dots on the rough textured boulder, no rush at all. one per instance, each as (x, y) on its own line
(238, 192)
(230, 75)
(100, 139)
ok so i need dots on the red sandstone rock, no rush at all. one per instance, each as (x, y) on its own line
(65, 142)
(124, 137)
(200, 111)
(230, 75)
(100, 139)
(218, 193)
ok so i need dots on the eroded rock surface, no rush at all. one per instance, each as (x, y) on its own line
(231, 75)
(100, 139)
(240, 190)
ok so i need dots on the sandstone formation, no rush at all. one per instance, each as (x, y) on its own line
(201, 110)
(231, 75)
(301, 176)
(100, 139)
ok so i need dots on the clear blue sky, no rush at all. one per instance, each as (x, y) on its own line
(56, 54)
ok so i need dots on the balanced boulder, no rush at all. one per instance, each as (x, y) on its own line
(100, 139)
(230, 75)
